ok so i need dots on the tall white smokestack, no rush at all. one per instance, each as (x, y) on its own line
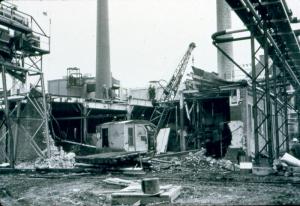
(225, 67)
(103, 73)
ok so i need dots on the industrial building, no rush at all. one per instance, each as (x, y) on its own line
(263, 104)
(251, 112)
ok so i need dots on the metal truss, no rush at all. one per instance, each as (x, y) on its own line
(269, 84)
(24, 105)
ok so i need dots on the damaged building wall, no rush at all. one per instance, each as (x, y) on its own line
(244, 112)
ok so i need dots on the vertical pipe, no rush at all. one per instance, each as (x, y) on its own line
(182, 137)
(268, 98)
(256, 142)
(225, 66)
(8, 123)
(103, 73)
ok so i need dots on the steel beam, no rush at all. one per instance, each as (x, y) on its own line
(255, 112)
(275, 110)
(286, 113)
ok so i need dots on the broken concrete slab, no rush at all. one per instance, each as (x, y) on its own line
(290, 160)
(132, 194)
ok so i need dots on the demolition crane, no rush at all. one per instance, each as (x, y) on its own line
(164, 104)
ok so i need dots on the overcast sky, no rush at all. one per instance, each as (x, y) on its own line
(147, 37)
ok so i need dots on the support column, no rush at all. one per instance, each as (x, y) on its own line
(7, 119)
(16, 134)
(254, 94)
(286, 122)
(268, 99)
(276, 112)
(176, 122)
(46, 117)
(85, 123)
(182, 138)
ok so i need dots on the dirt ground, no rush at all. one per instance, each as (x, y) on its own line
(201, 188)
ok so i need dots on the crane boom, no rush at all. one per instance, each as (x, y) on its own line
(171, 89)
(161, 111)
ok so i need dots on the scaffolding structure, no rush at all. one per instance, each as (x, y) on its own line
(269, 24)
(22, 45)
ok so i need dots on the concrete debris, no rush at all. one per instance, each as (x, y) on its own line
(194, 161)
(58, 159)
(119, 181)
(287, 165)
(133, 195)
(290, 160)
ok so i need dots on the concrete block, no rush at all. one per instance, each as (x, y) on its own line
(132, 194)
(246, 167)
(150, 186)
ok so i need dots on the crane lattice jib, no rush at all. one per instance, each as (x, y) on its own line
(162, 110)
(171, 89)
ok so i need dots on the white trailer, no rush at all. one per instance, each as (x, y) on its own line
(130, 135)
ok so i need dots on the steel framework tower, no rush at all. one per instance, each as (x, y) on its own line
(23, 44)
(269, 24)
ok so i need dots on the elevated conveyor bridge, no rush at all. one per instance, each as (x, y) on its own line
(269, 23)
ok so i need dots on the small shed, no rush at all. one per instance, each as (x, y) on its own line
(130, 135)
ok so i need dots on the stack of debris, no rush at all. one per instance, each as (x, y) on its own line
(287, 165)
(192, 162)
(58, 159)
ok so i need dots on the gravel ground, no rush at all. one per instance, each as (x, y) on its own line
(204, 181)
(203, 188)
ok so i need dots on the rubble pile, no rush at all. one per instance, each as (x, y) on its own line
(287, 165)
(194, 162)
(58, 159)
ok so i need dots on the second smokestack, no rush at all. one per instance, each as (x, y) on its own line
(225, 67)
(103, 73)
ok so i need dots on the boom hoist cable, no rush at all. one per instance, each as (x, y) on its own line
(164, 104)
